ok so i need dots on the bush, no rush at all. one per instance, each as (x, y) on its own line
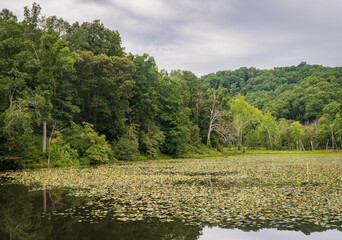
(151, 141)
(90, 146)
(10, 163)
(126, 149)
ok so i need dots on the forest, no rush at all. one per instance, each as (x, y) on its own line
(71, 95)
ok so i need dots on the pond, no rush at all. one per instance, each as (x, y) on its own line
(244, 197)
(26, 213)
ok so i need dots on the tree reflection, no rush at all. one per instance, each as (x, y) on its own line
(19, 220)
(26, 215)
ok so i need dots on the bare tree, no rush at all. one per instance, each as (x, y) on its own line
(218, 111)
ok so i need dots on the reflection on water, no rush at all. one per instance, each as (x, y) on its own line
(35, 215)
(31, 215)
(266, 234)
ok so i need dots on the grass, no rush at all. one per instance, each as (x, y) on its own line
(253, 189)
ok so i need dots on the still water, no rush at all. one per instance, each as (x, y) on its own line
(265, 234)
(29, 214)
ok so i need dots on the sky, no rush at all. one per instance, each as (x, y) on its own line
(206, 36)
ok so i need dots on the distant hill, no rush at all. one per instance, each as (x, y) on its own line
(298, 92)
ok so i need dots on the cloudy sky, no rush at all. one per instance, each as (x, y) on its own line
(206, 36)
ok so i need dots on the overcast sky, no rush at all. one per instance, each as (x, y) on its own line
(206, 36)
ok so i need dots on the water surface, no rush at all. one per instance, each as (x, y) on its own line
(54, 214)
(266, 234)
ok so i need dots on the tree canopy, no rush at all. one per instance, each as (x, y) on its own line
(69, 94)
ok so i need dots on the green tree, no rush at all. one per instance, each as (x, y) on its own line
(33, 24)
(337, 126)
(268, 122)
(91, 147)
(55, 61)
(311, 133)
(173, 116)
(243, 114)
(104, 88)
(96, 38)
(6, 14)
(298, 134)
(285, 133)
(17, 65)
(145, 96)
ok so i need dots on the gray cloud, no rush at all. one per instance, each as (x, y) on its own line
(207, 36)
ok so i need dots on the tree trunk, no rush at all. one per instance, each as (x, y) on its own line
(269, 136)
(52, 202)
(301, 143)
(11, 98)
(241, 138)
(50, 139)
(44, 199)
(312, 146)
(326, 149)
(332, 140)
(297, 145)
(44, 136)
(211, 118)
(210, 129)
(208, 138)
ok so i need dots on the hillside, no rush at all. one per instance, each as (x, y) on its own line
(298, 93)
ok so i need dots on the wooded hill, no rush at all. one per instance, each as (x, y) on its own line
(299, 92)
(69, 94)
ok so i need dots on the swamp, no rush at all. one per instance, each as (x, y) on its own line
(234, 197)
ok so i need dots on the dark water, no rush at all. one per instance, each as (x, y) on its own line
(52, 214)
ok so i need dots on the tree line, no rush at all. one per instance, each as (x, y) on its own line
(70, 94)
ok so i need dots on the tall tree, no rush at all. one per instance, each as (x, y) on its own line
(55, 61)
(268, 122)
(218, 110)
(6, 14)
(243, 114)
(173, 116)
(144, 100)
(105, 86)
(95, 37)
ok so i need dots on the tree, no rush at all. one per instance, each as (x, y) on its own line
(219, 110)
(268, 122)
(173, 116)
(96, 38)
(55, 61)
(18, 68)
(104, 88)
(17, 65)
(6, 14)
(33, 24)
(312, 134)
(92, 147)
(285, 133)
(327, 132)
(243, 114)
(18, 129)
(197, 94)
(337, 126)
(144, 100)
(298, 134)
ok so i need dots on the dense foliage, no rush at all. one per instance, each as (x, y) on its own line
(69, 94)
(298, 93)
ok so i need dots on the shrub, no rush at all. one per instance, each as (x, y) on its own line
(126, 149)
(91, 147)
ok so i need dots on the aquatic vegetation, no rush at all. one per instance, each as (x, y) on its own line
(276, 190)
